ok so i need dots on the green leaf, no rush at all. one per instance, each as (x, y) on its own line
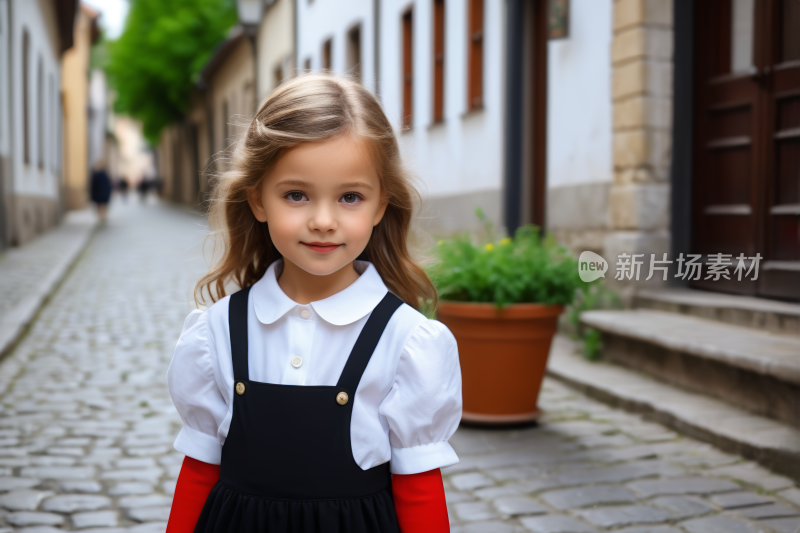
(164, 46)
(525, 268)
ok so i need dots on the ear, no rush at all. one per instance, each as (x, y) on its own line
(381, 211)
(257, 203)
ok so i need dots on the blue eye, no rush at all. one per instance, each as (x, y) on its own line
(350, 198)
(296, 197)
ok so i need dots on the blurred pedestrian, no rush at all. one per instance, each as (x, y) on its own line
(143, 187)
(100, 189)
(123, 187)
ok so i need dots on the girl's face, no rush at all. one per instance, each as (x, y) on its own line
(320, 202)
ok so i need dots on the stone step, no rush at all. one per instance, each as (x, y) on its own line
(772, 443)
(769, 315)
(753, 369)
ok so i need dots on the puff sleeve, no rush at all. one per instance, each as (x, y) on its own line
(423, 407)
(195, 393)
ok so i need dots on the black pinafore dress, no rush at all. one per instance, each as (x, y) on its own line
(287, 464)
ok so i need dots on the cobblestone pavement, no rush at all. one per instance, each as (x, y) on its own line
(591, 468)
(29, 273)
(24, 268)
(87, 425)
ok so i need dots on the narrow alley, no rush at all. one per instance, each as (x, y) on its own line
(87, 423)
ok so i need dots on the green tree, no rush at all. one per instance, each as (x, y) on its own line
(156, 60)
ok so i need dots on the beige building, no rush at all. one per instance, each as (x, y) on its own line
(75, 91)
(130, 157)
(190, 151)
(275, 45)
(183, 154)
(248, 65)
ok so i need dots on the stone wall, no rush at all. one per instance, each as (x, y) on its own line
(642, 127)
(31, 216)
(578, 215)
(441, 216)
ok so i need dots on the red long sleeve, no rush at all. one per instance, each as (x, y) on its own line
(419, 502)
(194, 483)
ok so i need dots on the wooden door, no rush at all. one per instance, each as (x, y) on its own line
(780, 80)
(746, 180)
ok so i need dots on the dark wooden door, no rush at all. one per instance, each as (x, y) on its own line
(746, 180)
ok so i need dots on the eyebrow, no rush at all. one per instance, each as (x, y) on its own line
(307, 185)
(352, 184)
(296, 183)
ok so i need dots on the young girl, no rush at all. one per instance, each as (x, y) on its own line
(317, 398)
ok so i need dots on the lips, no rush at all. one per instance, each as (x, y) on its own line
(321, 247)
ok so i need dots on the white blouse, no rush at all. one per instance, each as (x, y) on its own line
(406, 407)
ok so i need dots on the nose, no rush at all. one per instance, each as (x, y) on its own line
(323, 219)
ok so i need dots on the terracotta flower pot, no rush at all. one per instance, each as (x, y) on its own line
(503, 356)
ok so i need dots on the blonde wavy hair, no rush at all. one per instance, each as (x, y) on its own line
(312, 108)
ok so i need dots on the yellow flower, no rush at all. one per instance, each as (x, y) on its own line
(505, 241)
(489, 247)
(440, 243)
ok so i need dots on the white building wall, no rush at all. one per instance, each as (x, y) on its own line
(321, 20)
(579, 127)
(38, 17)
(5, 123)
(275, 44)
(579, 98)
(459, 162)
(464, 154)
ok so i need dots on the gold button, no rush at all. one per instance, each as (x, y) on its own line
(342, 398)
(240, 388)
(297, 361)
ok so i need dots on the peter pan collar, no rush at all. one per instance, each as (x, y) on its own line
(344, 307)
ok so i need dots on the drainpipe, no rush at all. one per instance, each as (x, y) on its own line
(512, 205)
(682, 130)
(295, 37)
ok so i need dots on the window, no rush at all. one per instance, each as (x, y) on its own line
(475, 70)
(326, 54)
(60, 131)
(40, 114)
(3, 52)
(354, 52)
(438, 60)
(229, 119)
(408, 69)
(226, 127)
(51, 98)
(26, 127)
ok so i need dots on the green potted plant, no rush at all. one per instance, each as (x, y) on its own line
(501, 299)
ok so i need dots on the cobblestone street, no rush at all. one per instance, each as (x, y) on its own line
(87, 423)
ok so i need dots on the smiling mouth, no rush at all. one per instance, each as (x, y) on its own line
(321, 247)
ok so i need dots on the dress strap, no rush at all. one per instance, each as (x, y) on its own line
(367, 341)
(237, 325)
